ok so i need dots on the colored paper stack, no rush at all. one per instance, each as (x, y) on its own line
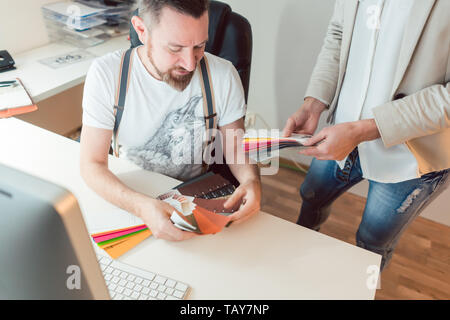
(117, 242)
(263, 146)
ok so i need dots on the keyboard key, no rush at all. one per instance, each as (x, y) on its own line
(160, 279)
(130, 285)
(116, 272)
(112, 294)
(134, 295)
(105, 260)
(120, 289)
(138, 288)
(115, 280)
(118, 297)
(178, 294)
(171, 298)
(108, 277)
(161, 296)
(162, 288)
(133, 270)
(127, 292)
(170, 291)
(123, 283)
(145, 291)
(153, 285)
(112, 287)
(146, 283)
(170, 283)
(138, 280)
(143, 297)
(153, 293)
(109, 270)
(103, 266)
(131, 277)
(124, 275)
(181, 286)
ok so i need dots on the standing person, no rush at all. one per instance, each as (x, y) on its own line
(383, 75)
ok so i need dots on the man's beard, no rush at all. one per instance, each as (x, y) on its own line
(177, 82)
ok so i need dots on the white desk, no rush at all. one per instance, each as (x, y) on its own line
(44, 82)
(263, 258)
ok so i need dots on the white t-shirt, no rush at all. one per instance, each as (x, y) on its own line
(161, 129)
(379, 28)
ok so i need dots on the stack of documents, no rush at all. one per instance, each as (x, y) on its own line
(74, 23)
(264, 145)
(75, 15)
(114, 13)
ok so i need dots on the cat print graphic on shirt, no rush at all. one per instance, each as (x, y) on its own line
(177, 144)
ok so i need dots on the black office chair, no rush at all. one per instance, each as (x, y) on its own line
(230, 37)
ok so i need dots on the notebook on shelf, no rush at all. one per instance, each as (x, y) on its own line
(14, 99)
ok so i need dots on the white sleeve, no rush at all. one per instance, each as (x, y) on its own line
(98, 97)
(231, 102)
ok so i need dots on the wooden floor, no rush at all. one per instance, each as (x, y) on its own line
(420, 266)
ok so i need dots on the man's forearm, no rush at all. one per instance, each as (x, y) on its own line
(245, 172)
(99, 178)
(366, 130)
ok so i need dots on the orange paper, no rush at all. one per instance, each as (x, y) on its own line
(209, 222)
(116, 250)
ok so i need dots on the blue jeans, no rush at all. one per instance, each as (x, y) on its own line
(389, 209)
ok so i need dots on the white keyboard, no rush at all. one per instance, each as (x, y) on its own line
(126, 282)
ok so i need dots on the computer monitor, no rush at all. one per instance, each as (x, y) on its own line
(45, 249)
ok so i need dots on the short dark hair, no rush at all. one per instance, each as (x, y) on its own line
(194, 8)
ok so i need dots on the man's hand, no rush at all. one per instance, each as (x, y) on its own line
(338, 141)
(156, 215)
(306, 119)
(250, 194)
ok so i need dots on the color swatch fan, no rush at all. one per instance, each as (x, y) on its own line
(262, 146)
(201, 216)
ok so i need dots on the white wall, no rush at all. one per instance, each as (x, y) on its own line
(21, 25)
(287, 36)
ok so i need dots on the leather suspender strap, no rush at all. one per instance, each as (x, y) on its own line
(209, 108)
(121, 92)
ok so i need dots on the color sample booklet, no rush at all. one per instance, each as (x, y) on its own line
(264, 145)
(202, 216)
